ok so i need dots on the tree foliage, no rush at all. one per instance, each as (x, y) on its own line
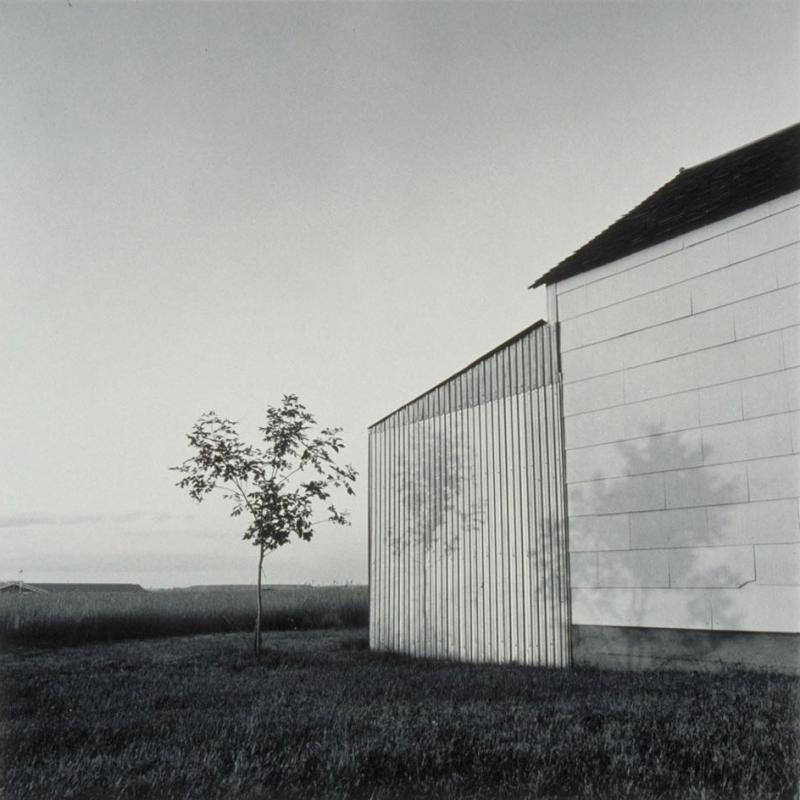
(280, 485)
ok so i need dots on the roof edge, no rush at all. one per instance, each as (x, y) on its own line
(733, 150)
(538, 324)
(775, 154)
(547, 278)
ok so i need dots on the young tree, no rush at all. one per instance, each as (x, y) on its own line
(266, 484)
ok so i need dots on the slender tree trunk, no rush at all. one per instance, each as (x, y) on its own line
(257, 640)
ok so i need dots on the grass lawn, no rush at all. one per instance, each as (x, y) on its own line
(322, 717)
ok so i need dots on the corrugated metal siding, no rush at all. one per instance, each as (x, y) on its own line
(468, 556)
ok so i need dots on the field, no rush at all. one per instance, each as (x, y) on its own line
(323, 717)
(70, 619)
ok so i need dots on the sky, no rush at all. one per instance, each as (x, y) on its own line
(208, 206)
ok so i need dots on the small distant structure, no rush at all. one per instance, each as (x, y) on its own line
(69, 588)
(20, 587)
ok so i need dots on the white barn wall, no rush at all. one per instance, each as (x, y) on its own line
(467, 514)
(682, 428)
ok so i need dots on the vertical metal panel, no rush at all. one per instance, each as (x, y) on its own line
(482, 467)
(496, 575)
(438, 496)
(466, 510)
(475, 523)
(370, 557)
(377, 579)
(429, 530)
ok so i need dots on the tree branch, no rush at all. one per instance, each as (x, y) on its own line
(243, 495)
(286, 477)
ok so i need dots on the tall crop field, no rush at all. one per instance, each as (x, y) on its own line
(42, 619)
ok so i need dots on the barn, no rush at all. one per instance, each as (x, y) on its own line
(618, 485)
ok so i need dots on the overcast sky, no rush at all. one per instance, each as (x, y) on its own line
(208, 206)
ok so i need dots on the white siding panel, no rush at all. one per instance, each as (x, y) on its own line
(731, 223)
(704, 251)
(608, 532)
(706, 486)
(617, 495)
(783, 202)
(653, 608)
(756, 608)
(791, 347)
(651, 344)
(774, 478)
(750, 608)
(594, 360)
(755, 522)
(748, 439)
(756, 356)
(634, 568)
(636, 457)
(583, 569)
(593, 394)
(768, 312)
(771, 394)
(576, 282)
(683, 475)
(656, 252)
(778, 564)
(630, 315)
(647, 276)
(721, 403)
(766, 234)
(674, 528)
(740, 523)
(711, 567)
(786, 263)
(740, 281)
(640, 280)
(662, 415)
(704, 256)
(572, 303)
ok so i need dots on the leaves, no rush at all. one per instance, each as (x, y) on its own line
(265, 482)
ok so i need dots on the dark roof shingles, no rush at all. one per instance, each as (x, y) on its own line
(697, 196)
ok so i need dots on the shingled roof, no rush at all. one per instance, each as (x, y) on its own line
(697, 196)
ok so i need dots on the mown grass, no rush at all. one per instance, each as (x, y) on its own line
(71, 619)
(322, 717)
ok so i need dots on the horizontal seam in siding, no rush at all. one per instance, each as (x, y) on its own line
(686, 430)
(682, 508)
(683, 391)
(681, 469)
(699, 546)
(694, 315)
(679, 249)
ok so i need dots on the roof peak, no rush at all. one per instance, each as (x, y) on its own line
(728, 184)
(734, 150)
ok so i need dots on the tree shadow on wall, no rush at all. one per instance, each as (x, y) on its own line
(655, 532)
(434, 527)
(475, 552)
(436, 481)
